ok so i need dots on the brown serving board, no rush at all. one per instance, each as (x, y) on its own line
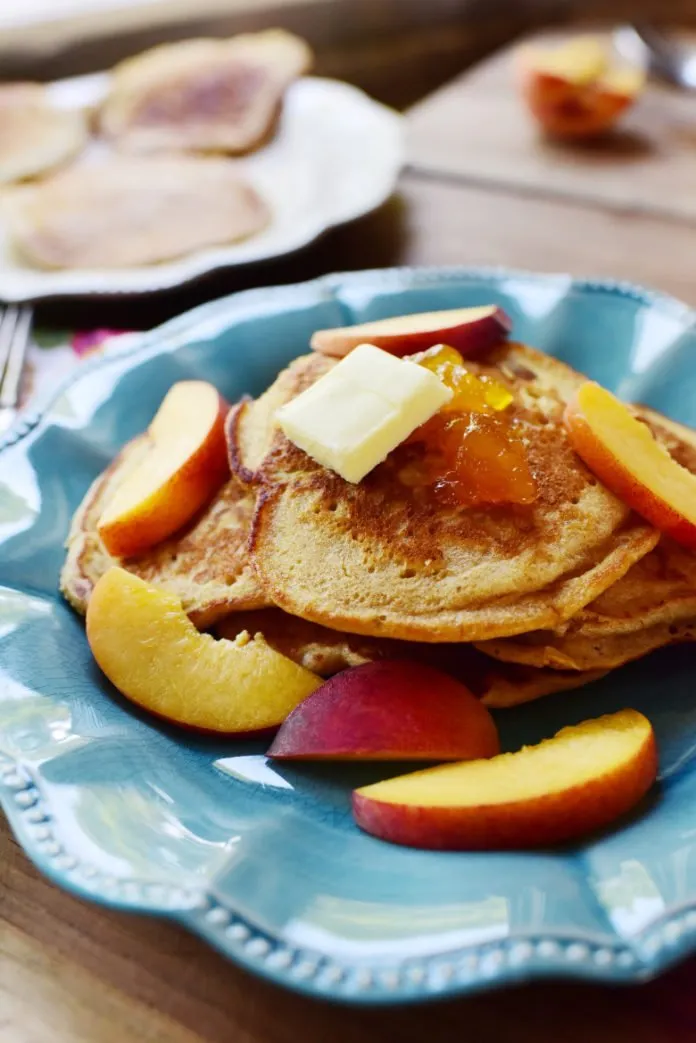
(477, 130)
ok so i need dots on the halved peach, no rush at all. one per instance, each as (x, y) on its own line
(389, 710)
(573, 90)
(579, 781)
(624, 454)
(149, 649)
(467, 329)
(185, 462)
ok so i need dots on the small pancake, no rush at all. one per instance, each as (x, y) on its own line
(376, 559)
(653, 605)
(327, 652)
(206, 564)
(203, 95)
(506, 686)
(677, 438)
(251, 426)
(125, 212)
(35, 136)
(577, 650)
(317, 648)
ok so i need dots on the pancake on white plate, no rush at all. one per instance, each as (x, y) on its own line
(35, 136)
(203, 95)
(131, 211)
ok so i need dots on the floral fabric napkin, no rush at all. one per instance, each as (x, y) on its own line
(54, 354)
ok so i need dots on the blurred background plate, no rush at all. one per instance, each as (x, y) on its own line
(335, 156)
(264, 861)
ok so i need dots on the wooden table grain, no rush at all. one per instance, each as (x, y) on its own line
(476, 131)
(71, 972)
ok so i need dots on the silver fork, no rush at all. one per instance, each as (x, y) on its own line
(15, 334)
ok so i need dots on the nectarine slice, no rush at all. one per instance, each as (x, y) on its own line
(580, 61)
(183, 466)
(580, 780)
(629, 460)
(149, 649)
(389, 710)
(573, 90)
(467, 329)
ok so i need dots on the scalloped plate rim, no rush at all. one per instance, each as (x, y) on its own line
(192, 267)
(522, 957)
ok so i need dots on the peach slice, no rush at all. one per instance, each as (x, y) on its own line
(184, 463)
(389, 710)
(573, 90)
(627, 458)
(467, 329)
(580, 780)
(149, 649)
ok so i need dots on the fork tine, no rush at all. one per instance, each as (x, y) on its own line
(8, 321)
(18, 342)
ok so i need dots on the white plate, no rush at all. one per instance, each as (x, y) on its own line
(336, 155)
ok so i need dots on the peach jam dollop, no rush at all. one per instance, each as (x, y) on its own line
(474, 449)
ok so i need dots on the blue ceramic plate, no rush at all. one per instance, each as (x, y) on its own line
(265, 861)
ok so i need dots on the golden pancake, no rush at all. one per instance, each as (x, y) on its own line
(376, 559)
(327, 652)
(678, 439)
(206, 564)
(505, 688)
(580, 650)
(35, 136)
(653, 605)
(125, 212)
(317, 648)
(203, 95)
(251, 425)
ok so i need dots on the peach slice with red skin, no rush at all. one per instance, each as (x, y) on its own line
(573, 91)
(184, 464)
(388, 710)
(579, 781)
(149, 649)
(469, 330)
(624, 454)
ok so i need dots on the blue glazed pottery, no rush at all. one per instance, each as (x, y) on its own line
(264, 860)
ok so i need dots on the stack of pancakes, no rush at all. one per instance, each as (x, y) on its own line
(517, 601)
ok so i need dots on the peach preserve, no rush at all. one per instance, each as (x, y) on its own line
(474, 451)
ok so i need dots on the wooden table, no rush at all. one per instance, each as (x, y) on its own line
(75, 973)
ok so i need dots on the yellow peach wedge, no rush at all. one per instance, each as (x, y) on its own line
(184, 463)
(622, 451)
(149, 649)
(580, 780)
(470, 330)
(573, 90)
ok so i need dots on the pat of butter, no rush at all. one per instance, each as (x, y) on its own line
(354, 415)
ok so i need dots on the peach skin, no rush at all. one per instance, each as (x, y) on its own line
(624, 454)
(388, 710)
(184, 463)
(468, 329)
(149, 649)
(573, 91)
(581, 780)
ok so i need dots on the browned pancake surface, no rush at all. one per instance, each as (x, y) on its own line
(35, 136)
(378, 558)
(128, 211)
(327, 652)
(653, 605)
(206, 564)
(203, 95)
